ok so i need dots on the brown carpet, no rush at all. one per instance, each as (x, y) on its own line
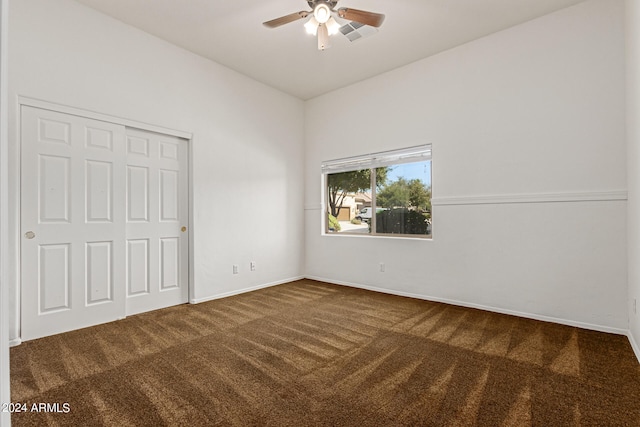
(313, 354)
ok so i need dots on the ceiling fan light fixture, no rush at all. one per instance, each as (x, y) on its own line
(322, 13)
(311, 26)
(332, 26)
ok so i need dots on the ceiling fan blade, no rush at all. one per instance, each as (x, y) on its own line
(286, 19)
(361, 16)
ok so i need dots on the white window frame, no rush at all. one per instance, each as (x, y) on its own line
(372, 161)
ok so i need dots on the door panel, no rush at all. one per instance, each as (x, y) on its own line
(54, 189)
(169, 195)
(99, 138)
(157, 209)
(138, 197)
(99, 265)
(170, 262)
(99, 192)
(54, 282)
(73, 244)
(138, 266)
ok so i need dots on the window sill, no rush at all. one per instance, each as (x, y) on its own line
(427, 237)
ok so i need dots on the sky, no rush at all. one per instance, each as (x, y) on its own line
(409, 171)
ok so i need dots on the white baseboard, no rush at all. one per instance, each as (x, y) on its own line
(599, 328)
(244, 290)
(634, 345)
(14, 342)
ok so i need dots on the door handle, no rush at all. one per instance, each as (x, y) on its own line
(29, 234)
(183, 229)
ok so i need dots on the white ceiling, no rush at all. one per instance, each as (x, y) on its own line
(230, 32)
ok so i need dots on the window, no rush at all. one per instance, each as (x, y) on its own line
(383, 194)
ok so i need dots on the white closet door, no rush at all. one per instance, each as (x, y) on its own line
(73, 229)
(156, 221)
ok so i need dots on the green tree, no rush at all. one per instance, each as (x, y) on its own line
(405, 193)
(419, 195)
(342, 183)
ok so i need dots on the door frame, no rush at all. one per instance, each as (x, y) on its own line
(60, 108)
(5, 393)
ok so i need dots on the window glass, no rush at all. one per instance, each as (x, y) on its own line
(380, 194)
(348, 197)
(403, 199)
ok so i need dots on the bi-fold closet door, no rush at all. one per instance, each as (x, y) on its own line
(104, 211)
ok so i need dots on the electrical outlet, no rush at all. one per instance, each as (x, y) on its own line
(253, 266)
(382, 267)
(235, 269)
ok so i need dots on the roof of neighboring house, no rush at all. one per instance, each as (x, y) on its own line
(362, 197)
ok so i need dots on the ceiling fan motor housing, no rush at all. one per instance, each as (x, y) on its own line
(313, 3)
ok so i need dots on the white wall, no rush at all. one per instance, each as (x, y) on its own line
(532, 113)
(633, 161)
(247, 150)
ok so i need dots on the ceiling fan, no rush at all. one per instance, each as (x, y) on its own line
(322, 20)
